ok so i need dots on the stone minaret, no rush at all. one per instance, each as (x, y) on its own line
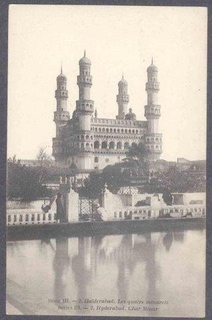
(122, 98)
(85, 110)
(153, 138)
(61, 115)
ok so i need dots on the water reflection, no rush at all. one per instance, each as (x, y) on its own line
(60, 265)
(122, 267)
(125, 251)
(167, 240)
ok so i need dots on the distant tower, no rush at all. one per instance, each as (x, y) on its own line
(122, 98)
(61, 116)
(85, 109)
(152, 114)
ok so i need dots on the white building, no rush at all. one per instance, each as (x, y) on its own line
(89, 142)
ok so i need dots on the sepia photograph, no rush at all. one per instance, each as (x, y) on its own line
(106, 161)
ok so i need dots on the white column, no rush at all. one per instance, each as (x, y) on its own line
(72, 203)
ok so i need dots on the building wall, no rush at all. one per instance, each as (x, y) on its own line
(93, 142)
(100, 161)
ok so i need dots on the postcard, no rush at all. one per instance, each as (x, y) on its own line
(106, 183)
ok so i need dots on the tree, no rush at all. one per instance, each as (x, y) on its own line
(24, 182)
(139, 155)
(93, 186)
(12, 160)
(115, 176)
(138, 152)
(45, 160)
(174, 180)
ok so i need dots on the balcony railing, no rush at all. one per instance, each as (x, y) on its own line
(18, 217)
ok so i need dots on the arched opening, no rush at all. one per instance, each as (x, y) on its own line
(96, 159)
(111, 145)
(126, 145)
(87, 137)
(96, 145)
(119, 145)
(104, 145)
(87, 145)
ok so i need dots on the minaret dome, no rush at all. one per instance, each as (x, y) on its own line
(152, 68)
(84, 60)
(61, 76)
(122, 82)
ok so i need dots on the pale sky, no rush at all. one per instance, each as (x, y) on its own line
(117, 39)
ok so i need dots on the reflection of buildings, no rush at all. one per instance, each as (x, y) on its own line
(167, 240)
(173, 236)
(60, 265)
(125, 251)
(82, 266)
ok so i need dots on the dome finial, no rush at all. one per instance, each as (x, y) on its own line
(84, 53)
(152, 60)
(122, 75)
(61, 68)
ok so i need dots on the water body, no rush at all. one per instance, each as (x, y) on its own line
(151, 274)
